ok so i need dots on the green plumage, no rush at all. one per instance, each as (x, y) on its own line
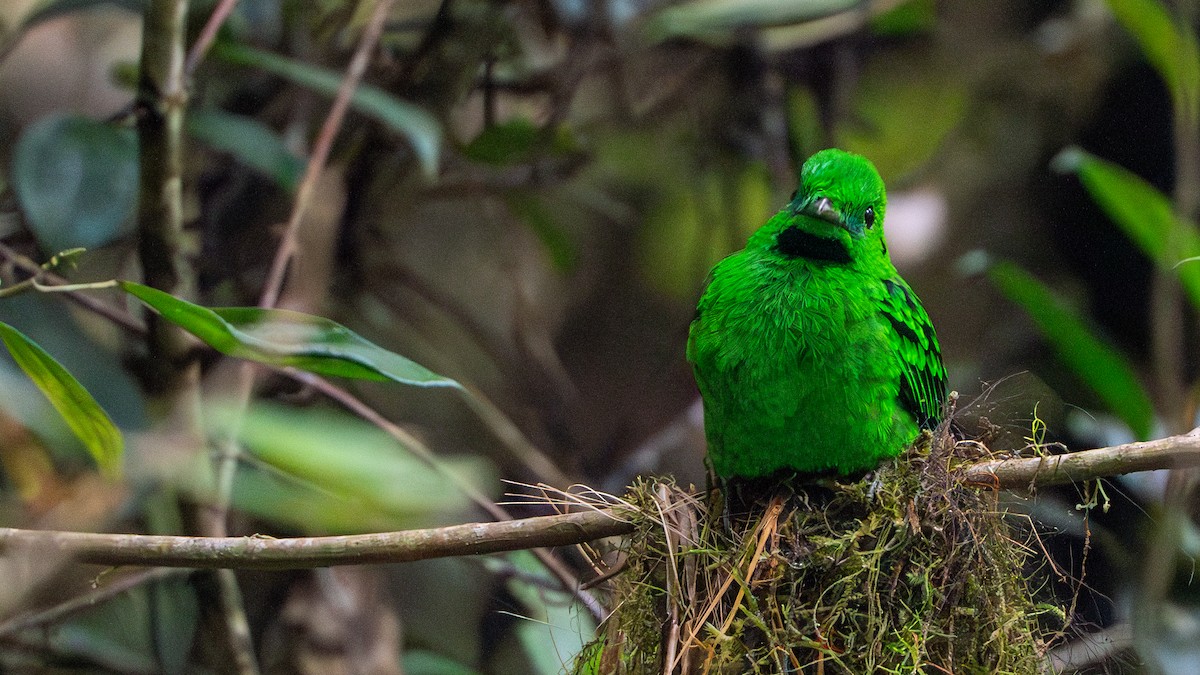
(811, 353)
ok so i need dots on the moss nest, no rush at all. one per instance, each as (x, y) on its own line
(907, 570)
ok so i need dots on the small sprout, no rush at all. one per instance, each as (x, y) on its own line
(67, 257)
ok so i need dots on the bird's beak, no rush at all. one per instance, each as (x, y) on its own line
(822, 208)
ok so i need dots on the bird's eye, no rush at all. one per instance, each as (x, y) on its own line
(869, 216)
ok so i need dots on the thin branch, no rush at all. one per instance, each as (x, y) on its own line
(208, 34)
(86, 601)
(227, 464)
(321, 150)
(46, 278)
(414, 445)
(519, 446)
(265, 553)
(1172, 452)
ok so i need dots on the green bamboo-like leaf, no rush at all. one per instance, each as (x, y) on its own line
(285, 338)
(330, 471)
(1170, 48)
(424, 662)
(1097, 363)
(552, 629)
(1145, 214)
(250, 141)
(533, 212)
(422, 129)
(904, 108)
(510, 142)
(82, 414)
(718, 19)
(907, 18)
(52, 9)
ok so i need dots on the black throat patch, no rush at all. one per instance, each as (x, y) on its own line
(796, 243)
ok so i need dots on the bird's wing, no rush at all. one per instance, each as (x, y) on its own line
(922, 374)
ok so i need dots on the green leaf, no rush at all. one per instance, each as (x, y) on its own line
(907, 18)
(699, 221)
(250, 141)
(1097, 363)
(80, 411)
(555, 628)
(422, 129)
(1145, 214)
(510, 142)
(806, 133)
(342, 474)
(50, 9)
(720, 19)
(904, 108)
(174, 617)
(1170, 49)
(117, 633)
(281, 337)
(533, 212)
(422, 662)
(76, 180)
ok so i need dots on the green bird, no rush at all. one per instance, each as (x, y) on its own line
(811, 353)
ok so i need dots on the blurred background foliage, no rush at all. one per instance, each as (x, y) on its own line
(526, 198)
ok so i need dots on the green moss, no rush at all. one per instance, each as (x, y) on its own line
(907, 571)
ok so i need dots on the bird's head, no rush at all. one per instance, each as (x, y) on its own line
(836, 216)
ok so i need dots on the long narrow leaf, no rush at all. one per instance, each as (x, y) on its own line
(1094, 361)
(1142, 212)
(82, 414)
(422, 129)
(718, 18)
(286, 338)
(1169, 47)
(52, 9)
(250, 141)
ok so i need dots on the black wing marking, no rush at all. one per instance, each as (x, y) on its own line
(922, 374)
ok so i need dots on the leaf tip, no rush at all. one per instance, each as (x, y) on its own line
(1068, 160)
(973, 263)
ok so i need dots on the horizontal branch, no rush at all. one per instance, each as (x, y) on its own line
(265, 553)
(1172, 452)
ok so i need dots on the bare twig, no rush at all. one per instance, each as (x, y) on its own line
(88, 600)
(529, 533)
(1090, 649)
(519, 446)
(321, 149)
(114, 314)
(511, 437)
(414, 445)
(265, 553)
(1172, 452)
(229, 450)
(208, 34)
